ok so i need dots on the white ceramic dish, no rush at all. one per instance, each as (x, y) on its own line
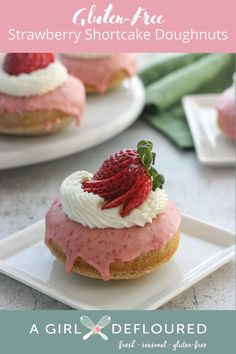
(203, 249)
(212, 146)
(105, 116)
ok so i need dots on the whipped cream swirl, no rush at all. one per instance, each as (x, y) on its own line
(85, 208)
(38, 82)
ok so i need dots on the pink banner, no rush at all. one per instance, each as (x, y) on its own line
(118, 25)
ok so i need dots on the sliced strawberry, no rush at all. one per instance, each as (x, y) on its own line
(122, 198)
(126, 178)
(117, 162)
(97, 183)
(138, 198)
(104, 184)
(19, 63)
(113, 186)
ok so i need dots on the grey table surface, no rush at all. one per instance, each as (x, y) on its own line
(203, 192)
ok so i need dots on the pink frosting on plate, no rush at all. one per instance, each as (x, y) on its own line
(68, 98)
(97, 72)
(227, 114)
(101, 247)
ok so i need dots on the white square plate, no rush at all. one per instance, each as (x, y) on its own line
(203, 249)
(212, 146)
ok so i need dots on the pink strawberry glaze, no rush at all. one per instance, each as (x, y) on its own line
(101, 247)
(227, 115)
(98, 72)
(68, 98)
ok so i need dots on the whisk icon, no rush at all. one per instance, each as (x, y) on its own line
(95, 329)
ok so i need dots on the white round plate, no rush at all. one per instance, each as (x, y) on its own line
(105, 116)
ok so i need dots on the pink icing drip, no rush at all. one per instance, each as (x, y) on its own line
(68, 98)
(98, 72)
(101, 247)
(226, 108)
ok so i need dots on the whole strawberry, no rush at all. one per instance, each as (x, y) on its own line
(126, 178)
(19, 63)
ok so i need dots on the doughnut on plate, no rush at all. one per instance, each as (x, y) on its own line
(203, 248)
(106, 115)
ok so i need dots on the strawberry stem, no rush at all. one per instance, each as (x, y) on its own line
(148, 158)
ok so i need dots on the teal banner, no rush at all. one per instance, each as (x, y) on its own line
(110, 332)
